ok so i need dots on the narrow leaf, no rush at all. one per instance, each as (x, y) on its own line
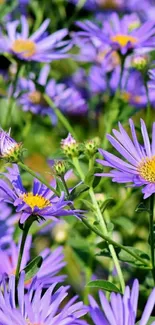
(32, 268)
(103, 284)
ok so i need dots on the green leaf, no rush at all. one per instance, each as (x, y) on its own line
(91, 180)
(142, 208)
(32, 268)
(6, 8)
(106, 203)
(103, 284)
(150, 321)
(88, 205)
(126, 257)
(79, 189)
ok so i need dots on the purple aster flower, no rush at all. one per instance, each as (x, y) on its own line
(121, 309)
(101, 4)
(38, 307)
(31, 98)
(53, 262)
(36, 47)
(138, 166)
(40, 202)
(9, 148)
(121, 34)
(7, 222)
(9, 258)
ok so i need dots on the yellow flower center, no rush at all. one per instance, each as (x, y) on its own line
(147, 169)
(25, 47)
(127, 97)
(123, 40)
(36, 97)
(35, 200)
(108, 4)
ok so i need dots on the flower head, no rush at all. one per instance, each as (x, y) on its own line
(36, 47)
(138, 167)
(40, 202)
(70, 146)
(38, 307)
(120, 34)
(53, 262)
(121, 309)
(9, 148)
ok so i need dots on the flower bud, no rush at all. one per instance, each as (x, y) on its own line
(70, 146)
(9, 148)
(60, 167)
(91, 147)
(140, 62)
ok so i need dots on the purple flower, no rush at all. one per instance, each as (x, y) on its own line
(121, 34)
(38, 307)
(9, 148)
(9, 257)
(7, 222)
(31, 98)
(53, 262)
(121, 310)
(138, 167)
(36, 47)
(40, 202)
(101, 4)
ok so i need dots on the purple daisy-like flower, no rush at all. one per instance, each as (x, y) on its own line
(36, 47)
(40, 202)
(121, 34)
(8, 146)
(138, 167)
(9, 257)
(7, 222)
(38, 307)
(121, 309)
(53, 262)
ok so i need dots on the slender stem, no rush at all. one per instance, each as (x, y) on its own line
(65, 185)
(102, 224)
(42, 180)
(111, 241)
(152, 242)
(11, 97)
(60, 116)
(26, 228)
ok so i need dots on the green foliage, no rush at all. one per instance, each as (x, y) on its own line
(32, 268)
(102, 284)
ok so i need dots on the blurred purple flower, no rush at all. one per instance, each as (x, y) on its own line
(121, 309)
(36, 47)
(53, 262)
(40, 202)
(139, 165)
(7, 222)
(121, 34)
(38, 307)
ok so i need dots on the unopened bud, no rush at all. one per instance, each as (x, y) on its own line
(9, 148)
(140, 62)
(91, 147)
(60, 168)
(70, 146)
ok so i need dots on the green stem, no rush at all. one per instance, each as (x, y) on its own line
(42, 180)
(11, 98)
(111, 241)
(152, 242)
(26, 228)
(60, 116)
(65, 185)
(102, 224)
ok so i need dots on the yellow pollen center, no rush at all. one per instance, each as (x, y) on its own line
(35, 200)
(36, 97)
(108, 4)
(123, 40)
(25, 47)
(147, 169)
